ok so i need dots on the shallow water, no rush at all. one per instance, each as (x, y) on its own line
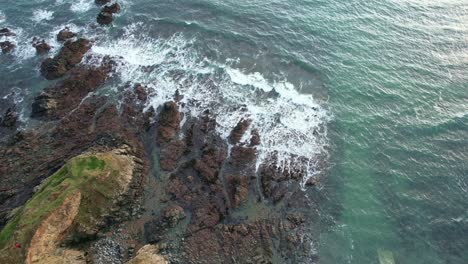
(384, 85)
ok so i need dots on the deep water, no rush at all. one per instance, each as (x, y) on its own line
(384, 85)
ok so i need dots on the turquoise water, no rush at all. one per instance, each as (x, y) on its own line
(392, 76)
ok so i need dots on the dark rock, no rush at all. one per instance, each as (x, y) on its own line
(169, 122)
(104, 18)
(173, 214)
(102, 2)
(312, 181)
(41, 46)
(65, 34)
(43, 105)
(239, 130)
(71, 54)
(114, 8)
(7, 46)
(6, 32)
(9, 118)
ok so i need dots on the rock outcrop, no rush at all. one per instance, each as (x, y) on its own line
(41, 46)
(72, 204)
(65, 34)
(70, 55)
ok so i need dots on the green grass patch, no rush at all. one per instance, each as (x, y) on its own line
(95, 176)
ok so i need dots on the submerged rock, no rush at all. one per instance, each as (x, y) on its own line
(104, 18)
(65, 34)
(6, 32)
(71, 54)
(7, 46)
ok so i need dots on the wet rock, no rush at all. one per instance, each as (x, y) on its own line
(141, 92)
(210, 163)
(114, 8)
(7, 46)
(312, 181)
(173, 214)
(239, 130)
(102, 2)
(169, 122)
(71, 54)
(6, 32)
(104, 18)
(255, 138)
(171, 154)
(65, 34)
(43, 105)
(9, 118)
(41, 46)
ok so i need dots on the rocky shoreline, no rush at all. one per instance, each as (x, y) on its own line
(195, 196)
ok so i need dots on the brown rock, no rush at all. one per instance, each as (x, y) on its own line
(171, 154)
(169, 122)
(41, 46)
(255, 138)
(238, 189)
(65, 34)
(71, 54)
(239, 130)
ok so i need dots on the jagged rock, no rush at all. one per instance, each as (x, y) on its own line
(7, 46)
(9, 118)
(114, 8)
(71, 54)
(102, 2)
(41, 46)
(104, 18)
(65, 34)
(169, 122)
(255, 138)
(239, 130)
(6, 32)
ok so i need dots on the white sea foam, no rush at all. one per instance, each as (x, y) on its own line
(41, 14)
(81, 6)
(292, 126)
(2, 17)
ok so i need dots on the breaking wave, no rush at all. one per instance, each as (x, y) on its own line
(292, 126)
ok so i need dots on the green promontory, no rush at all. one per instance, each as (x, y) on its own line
(73, 202)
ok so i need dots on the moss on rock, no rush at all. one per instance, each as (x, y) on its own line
(99, 178)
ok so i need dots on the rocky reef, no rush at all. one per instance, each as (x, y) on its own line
(103, 180)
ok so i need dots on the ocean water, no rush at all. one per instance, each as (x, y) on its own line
(380, 87)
